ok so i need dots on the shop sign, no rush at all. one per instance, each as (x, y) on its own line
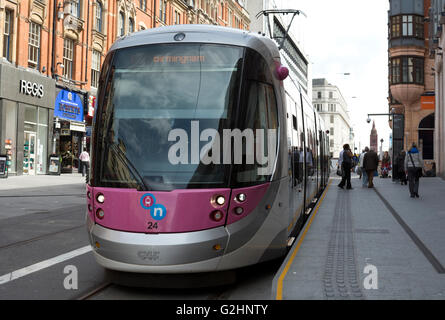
(88, 131)
(68, 106)
(428, 102)
(65, 132)
(91, 105)
(77, 127)
(31, 89)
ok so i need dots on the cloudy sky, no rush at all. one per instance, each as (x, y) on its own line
(349, 36)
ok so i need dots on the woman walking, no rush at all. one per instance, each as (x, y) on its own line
(414, 168)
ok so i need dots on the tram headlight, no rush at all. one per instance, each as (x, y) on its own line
(217, 215)
(100, 198)
(219, 200)
(241, 197)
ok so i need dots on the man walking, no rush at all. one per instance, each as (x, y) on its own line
(370, 163)
(85, 162)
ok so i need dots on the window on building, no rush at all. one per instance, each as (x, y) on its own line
(7, 35)
(331, 95)
(68, 58)
(75, 8)
(407, 70)
(332, 107)
(331, 131)
(177, 17)
(407, 26)
(143, 5)
(332, 118)
(99, 14)
(95, 69)
(34, 45)
(130, 25)
(163, 11)
(121, 24)
(229, 18)
(319, 95)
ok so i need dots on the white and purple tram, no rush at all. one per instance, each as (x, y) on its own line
(203, 157)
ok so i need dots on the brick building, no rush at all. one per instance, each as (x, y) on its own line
(50, 58)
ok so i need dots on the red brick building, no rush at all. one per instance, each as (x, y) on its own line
(59, 46)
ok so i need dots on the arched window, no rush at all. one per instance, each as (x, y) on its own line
(99, 12)
(121, 24)
(130, 25)
(426, 136)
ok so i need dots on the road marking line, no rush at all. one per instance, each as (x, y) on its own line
(43, 264)
(288, 264)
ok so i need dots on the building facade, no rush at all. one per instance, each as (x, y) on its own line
(330, 104)
(437, 21)
(51, 54)
(411, 81)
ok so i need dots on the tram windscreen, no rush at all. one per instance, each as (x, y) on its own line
(158, 104)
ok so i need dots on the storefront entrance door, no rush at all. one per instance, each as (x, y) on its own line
(29, 155)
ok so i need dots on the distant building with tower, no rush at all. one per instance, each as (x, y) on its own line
(374, 138)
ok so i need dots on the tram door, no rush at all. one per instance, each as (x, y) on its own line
(29, 153)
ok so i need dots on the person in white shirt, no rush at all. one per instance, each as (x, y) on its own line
(363, 171)
(84, 162)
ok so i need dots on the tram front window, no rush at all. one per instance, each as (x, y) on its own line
(156, 89)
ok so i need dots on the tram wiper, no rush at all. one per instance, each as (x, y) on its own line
(133, 169)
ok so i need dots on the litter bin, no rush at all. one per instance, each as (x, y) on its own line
(3, 167)
(54, 165)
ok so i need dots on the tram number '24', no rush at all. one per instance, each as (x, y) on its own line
(152, 225)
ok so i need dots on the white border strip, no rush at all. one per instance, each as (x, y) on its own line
(43, 264)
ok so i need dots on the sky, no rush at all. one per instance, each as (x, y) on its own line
(348, 36)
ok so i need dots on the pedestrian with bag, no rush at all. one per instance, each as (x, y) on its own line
(414, 169)
(346, 166)
(370, 163)
(401, 168)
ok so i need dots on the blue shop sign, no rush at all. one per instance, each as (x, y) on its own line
(68, 106)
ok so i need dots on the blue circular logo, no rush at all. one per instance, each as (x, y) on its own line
(157, 211)
(148, 200)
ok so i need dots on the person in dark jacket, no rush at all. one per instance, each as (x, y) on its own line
(401, 168)
(346, 165)
(370, 163)
(414, 168)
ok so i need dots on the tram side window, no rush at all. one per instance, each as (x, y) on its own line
(260, 113)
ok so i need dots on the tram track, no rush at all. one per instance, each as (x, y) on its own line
(103, 286)
(23, 242)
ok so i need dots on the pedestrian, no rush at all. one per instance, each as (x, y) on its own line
(386, 165)
(371, 163)
(346, 165)
(414, 169)
(401, 168)
(84, 162)
(364, 175)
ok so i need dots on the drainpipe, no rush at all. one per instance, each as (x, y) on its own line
(88, 33)
(154, 14)
(53, 53)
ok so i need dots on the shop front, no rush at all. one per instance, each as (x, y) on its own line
(69, 128)
(26, 119)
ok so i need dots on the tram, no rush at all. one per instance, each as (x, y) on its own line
(205, 156)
